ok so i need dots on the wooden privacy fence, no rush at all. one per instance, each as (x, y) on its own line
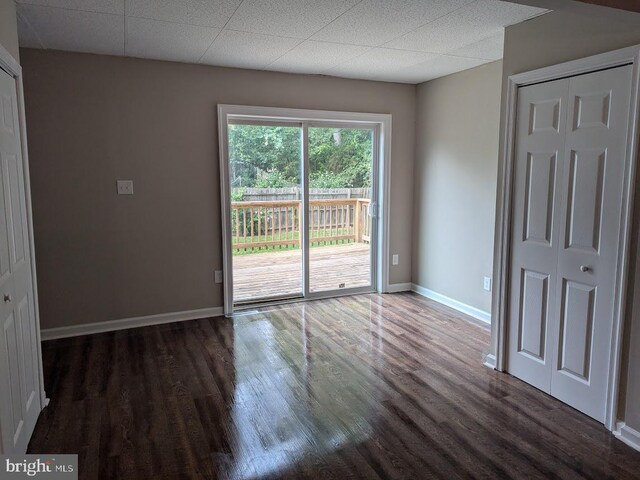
(269, 225)
(255, 194)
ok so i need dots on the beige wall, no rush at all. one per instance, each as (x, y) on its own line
(455, 183)
(94, 119)
(558, 37)
(9, 27)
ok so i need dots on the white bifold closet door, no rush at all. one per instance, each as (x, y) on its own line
(569, 166)
(19, 359)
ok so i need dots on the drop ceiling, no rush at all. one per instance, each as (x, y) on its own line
(409, 41)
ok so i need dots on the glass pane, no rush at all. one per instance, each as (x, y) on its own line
(340, 172)
(264, 175)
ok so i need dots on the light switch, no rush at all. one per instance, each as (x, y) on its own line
(218, 276)
(125, 187)
(395, 259)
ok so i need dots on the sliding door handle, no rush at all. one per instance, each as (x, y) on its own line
(372, 209)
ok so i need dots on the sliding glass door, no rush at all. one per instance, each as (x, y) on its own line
(265, 165)
(301, 205)
(340, 222)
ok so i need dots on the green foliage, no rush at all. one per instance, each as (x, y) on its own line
(274, 179)
(269, 157)
(255, 149)
(237, 195)
(340, 158)
(325, 180)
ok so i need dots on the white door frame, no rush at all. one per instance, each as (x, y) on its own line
(500, 300)
(13, 68)
(380, 121)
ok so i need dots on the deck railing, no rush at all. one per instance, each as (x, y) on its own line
(269, 225)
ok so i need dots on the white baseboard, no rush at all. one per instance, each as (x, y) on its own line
(398, 287)
(628, 435)
(490, 361)
(124, 323)
(455, 304)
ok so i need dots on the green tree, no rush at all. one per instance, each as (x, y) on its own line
(340, 158)
(267, 156)
(257, 149)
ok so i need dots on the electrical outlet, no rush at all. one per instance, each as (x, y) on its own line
(395, 260)
(218, 276)
(487, 284)
(125, 187)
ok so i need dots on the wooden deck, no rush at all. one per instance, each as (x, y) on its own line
(280, 273)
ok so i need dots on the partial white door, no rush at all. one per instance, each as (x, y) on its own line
(19, 372)
(569, 167)
(593, 166)
(542, 113)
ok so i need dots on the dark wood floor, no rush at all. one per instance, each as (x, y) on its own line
(357, 387)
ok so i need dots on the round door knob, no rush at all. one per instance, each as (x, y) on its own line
(7, 298)
(584, 268)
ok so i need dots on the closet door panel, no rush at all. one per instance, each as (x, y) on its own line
(540, 146)
(591, 200)
(19, 359)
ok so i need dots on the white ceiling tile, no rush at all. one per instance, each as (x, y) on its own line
(287, 18)
(27, 35)
(316, 57)
(374, 22)
(208, 13)
(167, 41)
(351, 38)
(247, 50)
(104, 6)
(490, 48)
(464, 26)
(76, 31)
(439, 67)
(381, 64)
(389, 65)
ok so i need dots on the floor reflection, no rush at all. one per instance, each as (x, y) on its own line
(368, 386)
(297, 394)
